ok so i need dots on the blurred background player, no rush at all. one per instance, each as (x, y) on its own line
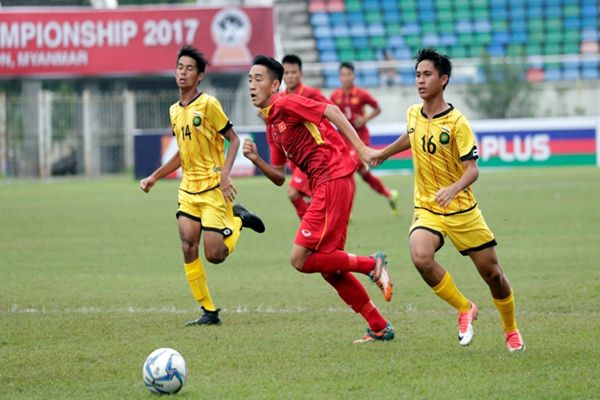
(298, 129)
(352, 101)
(445, 156)
(299, 191)
(206, 191)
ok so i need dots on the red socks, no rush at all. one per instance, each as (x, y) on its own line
(354, 294)
(337, 262)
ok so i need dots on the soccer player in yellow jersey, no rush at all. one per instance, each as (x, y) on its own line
(445, 156)
(206, 191)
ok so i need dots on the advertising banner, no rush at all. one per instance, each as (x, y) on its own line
(515, 143)
(129, 41)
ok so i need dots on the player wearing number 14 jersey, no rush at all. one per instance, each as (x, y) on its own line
(206, 191)
(445, 162)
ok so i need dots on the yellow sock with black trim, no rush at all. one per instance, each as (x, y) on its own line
(196, 277)
(231, 240)
(448, 292)
(506, 308)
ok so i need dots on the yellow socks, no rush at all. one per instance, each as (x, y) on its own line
(196, 277)
(506, 308)
(231, 240)
(448, 292)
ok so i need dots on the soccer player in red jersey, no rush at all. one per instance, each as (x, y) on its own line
(299, 189)
(352, 101)
(300, 130)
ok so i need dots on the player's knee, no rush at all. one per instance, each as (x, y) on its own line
(422, 261)
(215, 258)
(189, 248)
(493, 275)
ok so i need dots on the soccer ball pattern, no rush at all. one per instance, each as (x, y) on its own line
(165, 371)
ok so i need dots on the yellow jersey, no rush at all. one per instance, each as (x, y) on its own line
(199, 128)
(439, 146)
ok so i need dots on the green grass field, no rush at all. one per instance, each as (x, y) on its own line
(92, 281)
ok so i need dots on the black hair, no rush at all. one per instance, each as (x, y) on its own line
(292, 59)
(440, 61)
(348, 65)
(273, 66)
(195, 54)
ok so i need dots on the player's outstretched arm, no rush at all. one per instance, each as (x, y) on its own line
(399, 145)
(162, 171)
(275, 173)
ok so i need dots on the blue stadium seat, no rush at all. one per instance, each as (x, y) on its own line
(396, 41)
(590, 73)
(340, 30)
(371, 5)
(518, 38)
(402, 53)
(355, 17)
(328, 56)
(496, 50)
(448, 40)
(430, 40)
(360, 42)
(571, 74)
(319, 18)
(322, 32)
(332, 82)
(376, 30)
(411, 29)
(358, 30)
(338, 18)
(518, 25)
(590, 10)
(516, 12)
(571, 23)
(500, 37)
(482, 26)
(553, 12)
(498, 12)
(464, 26)
(589, 34)
(553, 75)
(427, 15)
(325, 44)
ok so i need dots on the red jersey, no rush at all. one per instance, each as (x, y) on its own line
(352, 104)
(297, 131)
(308, 92)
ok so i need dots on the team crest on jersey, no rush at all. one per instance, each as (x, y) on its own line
(281, 126)
(411, 130)
(445, 135)
(354, 100)
(197, 120)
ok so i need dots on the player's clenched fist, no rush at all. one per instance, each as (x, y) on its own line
(147, 183)
(250, 150)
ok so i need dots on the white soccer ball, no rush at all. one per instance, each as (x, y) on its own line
(165, 371)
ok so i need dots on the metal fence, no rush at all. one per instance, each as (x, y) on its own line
(51, 134)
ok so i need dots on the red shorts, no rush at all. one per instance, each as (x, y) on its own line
(325, 224)
(299, 181)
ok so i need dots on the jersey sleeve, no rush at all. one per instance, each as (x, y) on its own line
(465, 141)
(304, 108)
(278, 157)
(216, 116)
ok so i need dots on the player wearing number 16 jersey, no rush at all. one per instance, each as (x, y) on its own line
(445, 162)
